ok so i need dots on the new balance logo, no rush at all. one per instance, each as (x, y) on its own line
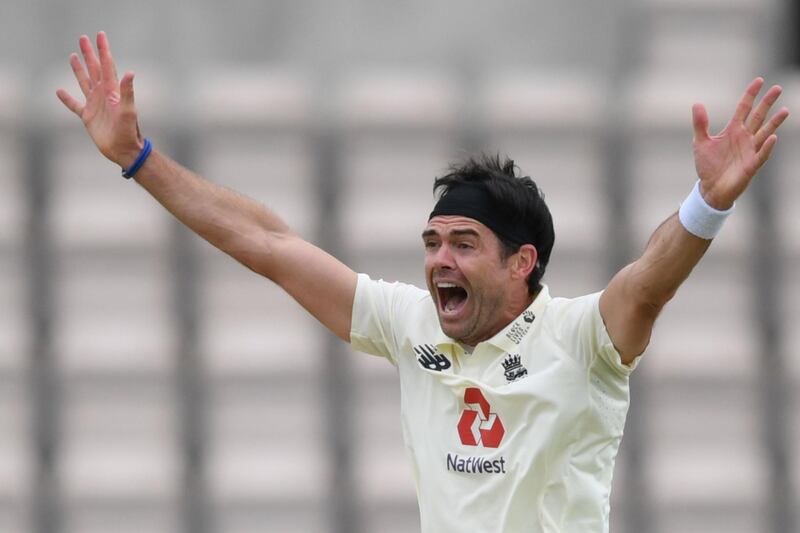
(430, 358)
(478, 426)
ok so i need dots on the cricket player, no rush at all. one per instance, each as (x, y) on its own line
(513, 401)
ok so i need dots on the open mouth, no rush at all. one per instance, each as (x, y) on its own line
(452, 298)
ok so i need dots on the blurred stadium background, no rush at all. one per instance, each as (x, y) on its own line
(149, 383)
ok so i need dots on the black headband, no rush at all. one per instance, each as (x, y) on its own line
(473, 201)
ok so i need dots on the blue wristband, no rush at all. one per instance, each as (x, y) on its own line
(143, 155)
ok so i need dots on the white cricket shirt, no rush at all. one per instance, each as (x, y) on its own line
(519, 436)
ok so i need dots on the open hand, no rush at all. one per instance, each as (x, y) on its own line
(727, 162)
(109, 113)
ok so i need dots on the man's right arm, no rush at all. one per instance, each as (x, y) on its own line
(237, 225)
(257, 238)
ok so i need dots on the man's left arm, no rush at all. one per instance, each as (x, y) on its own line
(725, 164)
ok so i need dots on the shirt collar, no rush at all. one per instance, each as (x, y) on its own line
(508, 338)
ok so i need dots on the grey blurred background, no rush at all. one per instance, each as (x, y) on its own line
(149, 383)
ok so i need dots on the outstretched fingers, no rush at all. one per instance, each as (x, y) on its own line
(107, 68)
(766, 149)
(70, 102)
(126, 89)
(748, 98)
(80, 74)
(757, 117)
(92, 63)
(770, 127)
(700, 122)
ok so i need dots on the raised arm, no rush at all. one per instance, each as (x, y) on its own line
(237, 225)
(725, 165)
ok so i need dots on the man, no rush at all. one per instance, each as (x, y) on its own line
(513, 402)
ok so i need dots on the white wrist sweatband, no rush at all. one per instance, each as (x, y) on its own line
(699, 218)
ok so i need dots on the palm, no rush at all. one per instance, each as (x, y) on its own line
(727, 160)
(103, 117)
(726, 163)
(108, 114)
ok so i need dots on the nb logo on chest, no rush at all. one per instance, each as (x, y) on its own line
(430, 358)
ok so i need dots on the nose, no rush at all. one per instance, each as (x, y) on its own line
(441, 258)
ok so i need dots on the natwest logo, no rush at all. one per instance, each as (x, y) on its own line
(479, 426)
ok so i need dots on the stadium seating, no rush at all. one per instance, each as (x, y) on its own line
(17, 460)
(784, 171)
(13, 199)
(88, 206)
(361, 141)
(114, 335)
(729, 33)
(260, 352)
(549, 123)
(786, 198)
(704, 469)
(398, 134)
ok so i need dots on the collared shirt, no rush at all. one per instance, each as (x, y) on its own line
(518, 436)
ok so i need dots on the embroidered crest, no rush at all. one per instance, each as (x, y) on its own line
(513, 368)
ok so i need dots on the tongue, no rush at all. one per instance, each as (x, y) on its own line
(457, 298)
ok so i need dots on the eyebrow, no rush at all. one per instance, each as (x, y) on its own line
(466, 231)
(455, 232)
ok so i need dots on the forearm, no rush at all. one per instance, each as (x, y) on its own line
(725, 164)
(671, 254)
(634, 298)
(229, 221)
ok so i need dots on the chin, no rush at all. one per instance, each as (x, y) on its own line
(454, 331)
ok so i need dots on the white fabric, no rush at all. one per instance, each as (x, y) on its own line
(699, 218)
(562, 417)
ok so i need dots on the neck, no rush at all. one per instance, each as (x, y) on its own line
(519, 305)
(514, 309)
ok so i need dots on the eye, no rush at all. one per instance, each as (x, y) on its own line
(464, 246)
(430, 244)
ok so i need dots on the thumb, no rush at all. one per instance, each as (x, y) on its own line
(700, 121)
(126, 89)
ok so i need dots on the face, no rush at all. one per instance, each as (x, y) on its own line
(476, 292)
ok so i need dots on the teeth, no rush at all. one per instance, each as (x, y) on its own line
(446, 285)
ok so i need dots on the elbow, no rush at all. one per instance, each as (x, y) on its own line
(652, 300)
(647, 310)
(256, 250)
(648, 291)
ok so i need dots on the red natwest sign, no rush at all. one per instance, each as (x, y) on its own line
(477, 425)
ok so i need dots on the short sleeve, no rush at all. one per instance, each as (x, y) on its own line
(578, 325)
(606, 351)
(379, 312)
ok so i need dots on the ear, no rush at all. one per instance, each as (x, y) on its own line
(524, 261)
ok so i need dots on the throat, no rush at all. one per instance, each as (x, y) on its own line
(453, 298)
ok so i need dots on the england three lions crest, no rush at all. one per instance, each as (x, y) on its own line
(513, 368)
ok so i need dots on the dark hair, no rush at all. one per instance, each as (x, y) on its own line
(516, 195)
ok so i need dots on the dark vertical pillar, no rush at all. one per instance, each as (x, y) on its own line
(615, 141)
(471, 134)
(774, 387)
(638, 517)
(772, 380)
(190, 383)
(44, 386)
(336, 375)
(794, 44)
